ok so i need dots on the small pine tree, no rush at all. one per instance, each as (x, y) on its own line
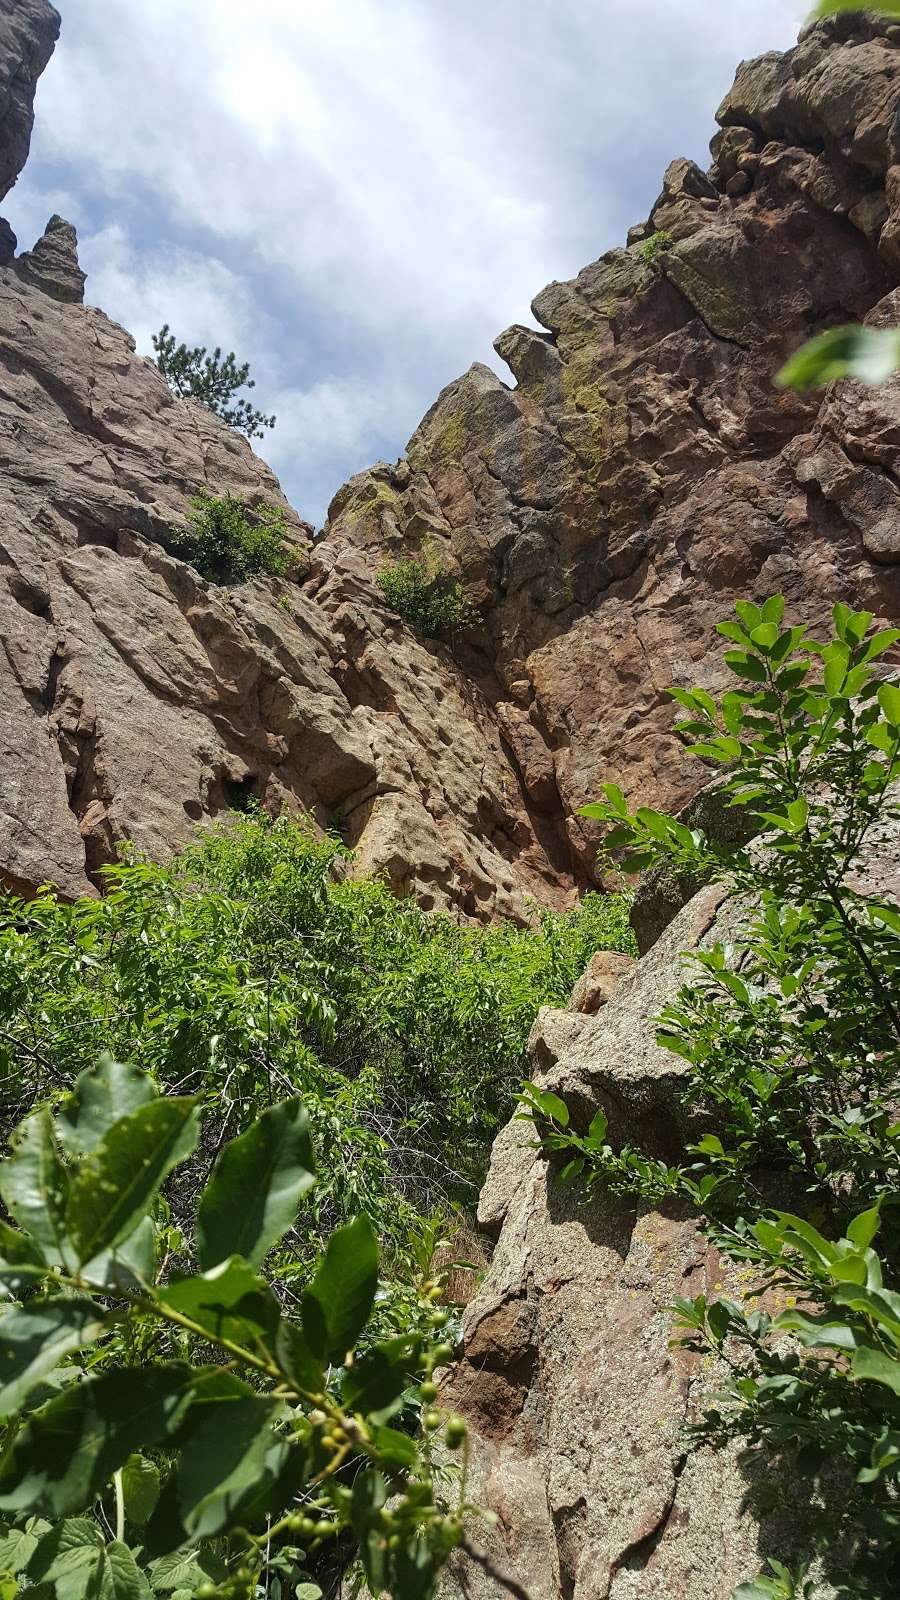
(212, 379)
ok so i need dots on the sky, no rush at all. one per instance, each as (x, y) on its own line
(357, 196)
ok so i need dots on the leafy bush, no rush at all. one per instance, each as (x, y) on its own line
(792, 1041)
(223, 1442)
(174, 1373)
(251, 969)
(422, 592)
(224, 546)
(655, 245)
(212, 379)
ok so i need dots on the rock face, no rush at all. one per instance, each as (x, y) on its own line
(576, 1401)
(602, 514)
(29, 30)
(645, 471)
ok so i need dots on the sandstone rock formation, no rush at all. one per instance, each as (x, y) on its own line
(602, 513)
(577, 1402)
(645, 471)
(29, 30)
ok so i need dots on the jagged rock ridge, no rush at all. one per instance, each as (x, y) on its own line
(603, 514)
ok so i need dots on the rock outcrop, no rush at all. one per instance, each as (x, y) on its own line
(29, 30)
(576, 1400)
(645, 471)
(602, 514)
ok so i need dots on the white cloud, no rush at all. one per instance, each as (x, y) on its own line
(365, 193)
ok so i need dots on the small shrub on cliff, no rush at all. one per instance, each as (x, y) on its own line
(226, 546)
(792, 1040)
(214, 380)
(423, 593)
(656, 244)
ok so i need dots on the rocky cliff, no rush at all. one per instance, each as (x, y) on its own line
(602, 512)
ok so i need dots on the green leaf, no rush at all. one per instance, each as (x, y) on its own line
(889, 701)
(549, 1105)
(68, 1450)
(597, 1131)
(36, 1337)
(369, 1495)
(115, 1184)
(870, 1365)
(222, 1463)
(868, 354)
(101, 1097)
(34, 1185)
(140, 1488)
(230, 1302)
(377, 1381)
(338, 1302)
(126, 1266)
(296, 1360)
(21, 1262)
(765, 636)
(187, 1570)
(75, 1560)
(413, 1570)
(257, 1185)
(862, 1230)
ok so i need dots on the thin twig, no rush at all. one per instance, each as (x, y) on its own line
(491, 1570)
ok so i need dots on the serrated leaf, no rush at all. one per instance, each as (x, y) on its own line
(256, 1187)
(36, 1337)
(338, 1302)
(140, 1488)
(116, 1182)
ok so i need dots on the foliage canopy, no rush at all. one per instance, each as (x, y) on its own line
(192, 373)
(195, 1241)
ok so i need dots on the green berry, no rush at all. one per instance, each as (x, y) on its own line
(455, 1433)
(428, 1391)
(431, 1420)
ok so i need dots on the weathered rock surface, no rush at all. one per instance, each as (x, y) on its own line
(137, 699)
(29, 30)
(645, 471)
(576, 1401)
(602, 514)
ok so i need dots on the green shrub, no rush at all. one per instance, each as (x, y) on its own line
(212, 379)
(655, 245)
(278, 1006)
(225, 546)
(248, 969)
(792, 1040)
(422, 592)
(185, 1429)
